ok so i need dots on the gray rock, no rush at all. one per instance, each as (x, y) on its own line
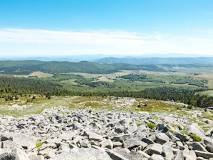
(117, 144)
(180, 145)
(7, 156)
(123, 151)
(144, 155)
(142, 128)
(208, 141)
(84, 144)
(36, 157)
(156, 157)
(179, 155)
(154, 149)
(196, 146)
(206, 155)
(210, 132)
(83, 154)
(25, 141)
(201, 158)
(120, 130)
(162, 127)
(148, 141)
(93, 136)
(181, 137)
(134, 143)
(161, 138)
(16, 154)
(21, 155)
(209, 148)
(121, 138)
(107, 143)
(115, 156)
(189, 154)
(132, 128)
(5, 138)
(167, 151)
(194, 128)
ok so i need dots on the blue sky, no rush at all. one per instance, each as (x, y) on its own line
(111, 27)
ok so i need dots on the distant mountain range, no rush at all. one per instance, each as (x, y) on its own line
(157, 60)
(143, 60)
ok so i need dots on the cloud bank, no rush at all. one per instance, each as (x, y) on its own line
(37, 42)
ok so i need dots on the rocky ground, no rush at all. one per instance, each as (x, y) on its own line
(62, 134)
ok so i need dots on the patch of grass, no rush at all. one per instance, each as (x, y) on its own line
(151, 125)
(195, 137)
(39, 144)
(208, 115)
(207, 93)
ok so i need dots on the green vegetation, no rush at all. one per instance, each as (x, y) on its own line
(39, 144)
(167, 79)
(195, 137)
(24, 107)
(151, 125)
(27, 67)
(13, 88)
(48, 79)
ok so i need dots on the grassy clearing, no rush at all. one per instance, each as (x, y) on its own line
(40, 74)
(22, 107)
(195, 115)
(207, 93)
(209, 77)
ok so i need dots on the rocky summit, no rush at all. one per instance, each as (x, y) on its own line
(86, 134)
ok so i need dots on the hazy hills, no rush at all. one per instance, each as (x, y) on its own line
(29, 66)
(157, 60)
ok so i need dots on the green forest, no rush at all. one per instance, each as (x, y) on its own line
(11, 88)
(18, 79)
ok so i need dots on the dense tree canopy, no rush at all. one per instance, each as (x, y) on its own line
(18, 86)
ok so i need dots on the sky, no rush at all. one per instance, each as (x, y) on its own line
(106, 27)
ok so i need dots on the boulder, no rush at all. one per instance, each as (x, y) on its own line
(156, 157)
(189, 154)
(162, 127)
(107, 143)
(36, 157)
(93, 136)
(167, 151)
(148, 141)
(134, 143)
(5, 138)
(206, 155)
(154, 149)
(161, 138)
(196, 146)
(115, 156)
(117, 144)
(15, 154)
(25, 141)
(194, 128)
(83, 154)
(7, 156)
(181, 137)
(208, 141)
(179, 155)
(209, 148)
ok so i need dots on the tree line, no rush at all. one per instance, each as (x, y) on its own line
(11, 87)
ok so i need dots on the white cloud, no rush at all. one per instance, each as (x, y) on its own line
(35, 42)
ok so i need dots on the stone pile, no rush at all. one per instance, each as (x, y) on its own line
(62, 134)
